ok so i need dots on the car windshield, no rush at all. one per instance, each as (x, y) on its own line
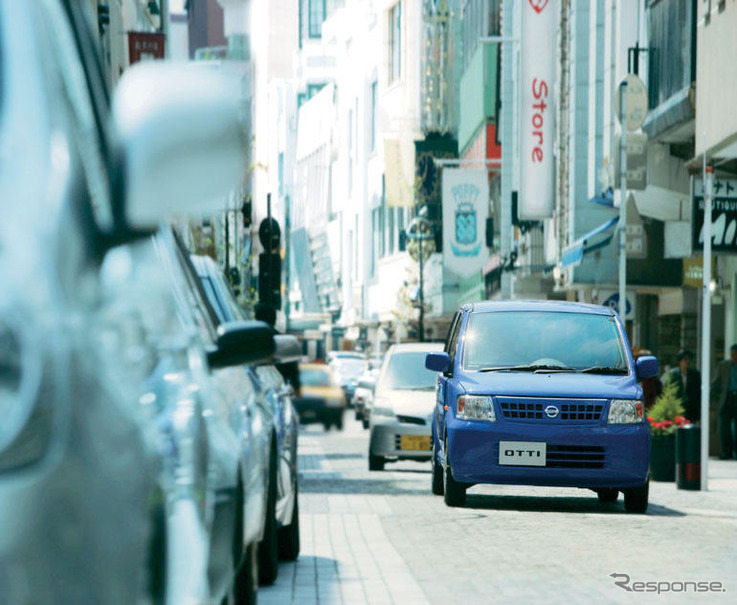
(543, 340)
(407, 371)
(314, 377)
(350, 366)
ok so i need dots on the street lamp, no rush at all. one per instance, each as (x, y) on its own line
(420, 229)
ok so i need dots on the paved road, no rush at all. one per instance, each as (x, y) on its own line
(382, 537)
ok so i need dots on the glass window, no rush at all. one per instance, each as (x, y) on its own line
(315, 377)
(407, 370)
(281, 173)
(395, 42)
(316, 15)
(520, 338)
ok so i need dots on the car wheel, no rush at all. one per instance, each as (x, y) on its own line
(365, 422)
(245, 586)
(268, 562)
(455, 492)
(437, 475)
(289, 544)
(607, 495)
(376, 463)
(326, 424)
(358, 414)
(338, 422)
(636, 499)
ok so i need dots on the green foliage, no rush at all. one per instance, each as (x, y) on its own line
(667, 413)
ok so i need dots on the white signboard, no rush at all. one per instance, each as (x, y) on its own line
(465, 210)
(537, 128)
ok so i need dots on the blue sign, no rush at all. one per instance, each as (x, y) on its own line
(613, 303)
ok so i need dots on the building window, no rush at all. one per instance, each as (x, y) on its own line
(372, 133)
(281, 174)
(315, 17)
(395, 42)
(480, 18)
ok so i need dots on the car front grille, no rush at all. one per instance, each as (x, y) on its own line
(521, 409)
(411, 420)
(575, 456)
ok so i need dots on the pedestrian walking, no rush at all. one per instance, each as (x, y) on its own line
(688, 385)
(724, 387)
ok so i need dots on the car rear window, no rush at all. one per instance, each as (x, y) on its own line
(518, 338)
(407, 371)
(312, 377)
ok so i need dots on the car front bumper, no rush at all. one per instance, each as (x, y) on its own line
(601, 456)
(391, 438)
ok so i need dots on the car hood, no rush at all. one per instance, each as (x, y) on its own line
(410, 403)
(526, 384)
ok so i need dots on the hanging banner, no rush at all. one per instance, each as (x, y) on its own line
(465, 210)
(537, 128)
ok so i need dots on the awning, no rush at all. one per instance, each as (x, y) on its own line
(593, 240)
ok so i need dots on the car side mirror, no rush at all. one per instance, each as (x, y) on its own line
(240, 342)
(646, 366)
(181, 138)
(287, 349)
(437, 361)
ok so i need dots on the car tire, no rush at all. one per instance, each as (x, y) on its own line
(268, 548)
(358, 414)
(338, 421)
(455, 492)
(365, 422)
(245, 584)
(438, 488)
(376, 463)
(326, 424)
(636, 499)
(289, 544)
(607, 495)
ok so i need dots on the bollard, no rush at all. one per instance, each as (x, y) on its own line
(688, 457)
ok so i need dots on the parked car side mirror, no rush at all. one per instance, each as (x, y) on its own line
(242, 342)
(287, 349)
(437, 361)
(181, 138)
(646, 366)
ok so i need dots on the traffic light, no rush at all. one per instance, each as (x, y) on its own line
(269, 279)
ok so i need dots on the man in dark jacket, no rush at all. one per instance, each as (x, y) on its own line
(688, 384)
(724, 388)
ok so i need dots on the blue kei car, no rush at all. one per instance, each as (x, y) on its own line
(540, 393)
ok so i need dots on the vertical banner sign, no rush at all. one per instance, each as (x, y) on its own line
(465, 209)
(538, 52)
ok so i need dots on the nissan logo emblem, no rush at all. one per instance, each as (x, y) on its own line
(551, 411)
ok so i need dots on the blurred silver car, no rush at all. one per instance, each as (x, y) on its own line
(83, 515)
(402, 406)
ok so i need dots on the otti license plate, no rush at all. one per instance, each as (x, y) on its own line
(415, 442)
(522, 453)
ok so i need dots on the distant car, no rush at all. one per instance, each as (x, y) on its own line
(364, 395)
(347, 368)
(540, 393)
(403, 405)
(321, 399)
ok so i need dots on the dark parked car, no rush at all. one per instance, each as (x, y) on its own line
(84, 462)
(280, 531)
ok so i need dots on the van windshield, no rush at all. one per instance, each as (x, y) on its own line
(543, 341)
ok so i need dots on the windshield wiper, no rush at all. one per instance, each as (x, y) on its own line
(529, 368)
(604, 370)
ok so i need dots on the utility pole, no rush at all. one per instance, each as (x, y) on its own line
(707, 176)
(421, 328)
(623, 202)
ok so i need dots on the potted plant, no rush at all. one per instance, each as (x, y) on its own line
(665, 417)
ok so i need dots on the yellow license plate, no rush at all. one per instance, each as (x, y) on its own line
(415, 442)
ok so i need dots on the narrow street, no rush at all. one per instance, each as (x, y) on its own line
(382, 537)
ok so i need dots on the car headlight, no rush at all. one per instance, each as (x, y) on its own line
(625, 411)
(475, 407)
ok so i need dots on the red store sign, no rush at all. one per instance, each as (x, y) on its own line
(145, 46)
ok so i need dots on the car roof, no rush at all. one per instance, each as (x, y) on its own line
(553, 306)
(422, 347)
